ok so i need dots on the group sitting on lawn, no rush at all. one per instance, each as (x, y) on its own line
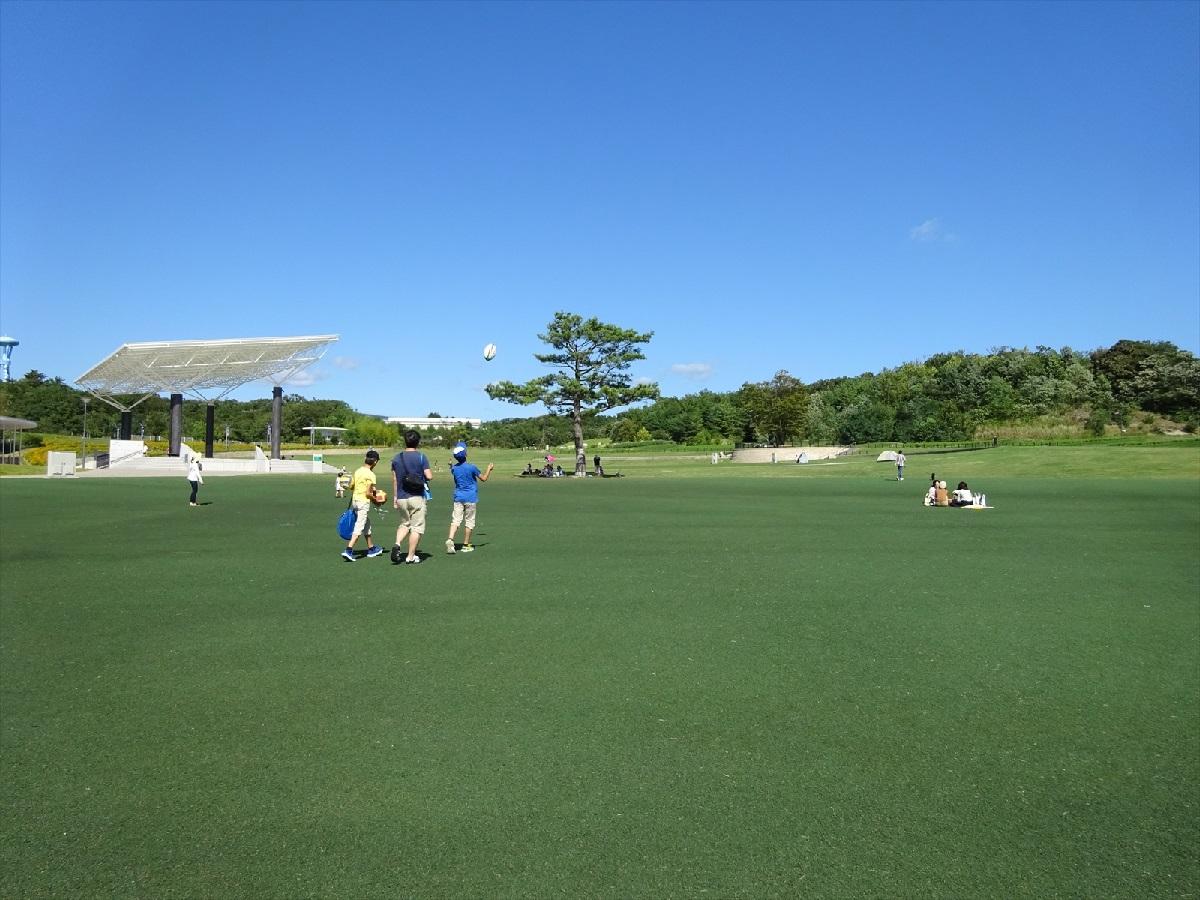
(546, 471)
(938, 495)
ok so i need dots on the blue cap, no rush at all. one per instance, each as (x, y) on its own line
(460, 451)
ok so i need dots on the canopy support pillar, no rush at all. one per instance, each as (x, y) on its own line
(175, 434)
(276, 420)
(209, 418)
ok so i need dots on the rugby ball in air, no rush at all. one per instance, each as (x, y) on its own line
(489, 352)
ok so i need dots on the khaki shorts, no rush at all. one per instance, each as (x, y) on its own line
(463, 513)
(412, 514)
(362, 520)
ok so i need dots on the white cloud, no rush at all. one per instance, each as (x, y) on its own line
(693, 371)
(305, 378)
(643, 380)
(349, 363)
(931, 230)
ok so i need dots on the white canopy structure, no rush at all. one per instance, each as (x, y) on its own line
(205, 370)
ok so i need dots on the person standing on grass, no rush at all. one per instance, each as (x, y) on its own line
(466, 497)
(900, 466)
(362, 492)
(410, 476)
(195, 479)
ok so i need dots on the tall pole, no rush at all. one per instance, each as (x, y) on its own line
(209, 416)
(276, 417)
(175, 433)
(83, 455)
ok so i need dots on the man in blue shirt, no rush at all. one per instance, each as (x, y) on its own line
(410, 477)
(466, 496)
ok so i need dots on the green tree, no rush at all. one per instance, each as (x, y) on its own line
(591, 360)
(868, 422)
(624, 430)
(1123, 361)
(820, 420)
(369, 431)
(1169, 383)
(775, 409)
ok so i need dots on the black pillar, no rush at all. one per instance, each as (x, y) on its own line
(276, 420)
(209, 415)
(126, 425)
(175, 435)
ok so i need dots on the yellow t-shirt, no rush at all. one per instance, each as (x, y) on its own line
(364, 484)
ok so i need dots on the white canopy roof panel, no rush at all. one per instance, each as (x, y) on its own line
(207, 370)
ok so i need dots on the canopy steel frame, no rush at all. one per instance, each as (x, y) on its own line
(204, 370)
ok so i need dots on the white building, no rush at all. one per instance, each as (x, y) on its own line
(436, 422)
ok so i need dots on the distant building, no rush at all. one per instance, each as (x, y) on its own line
(435, 422)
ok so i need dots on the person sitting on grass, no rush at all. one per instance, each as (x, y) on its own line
(962, 495)
(941, 496)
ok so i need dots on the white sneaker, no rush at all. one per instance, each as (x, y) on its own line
(449, 545)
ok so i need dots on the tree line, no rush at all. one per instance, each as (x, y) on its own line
(947, 397)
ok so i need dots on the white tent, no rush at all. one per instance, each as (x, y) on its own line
(886, 456)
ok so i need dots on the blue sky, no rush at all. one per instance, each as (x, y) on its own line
(823, 188)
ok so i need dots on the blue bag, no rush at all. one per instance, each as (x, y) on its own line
(346, 523)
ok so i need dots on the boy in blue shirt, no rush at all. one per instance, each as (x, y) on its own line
(466, 495)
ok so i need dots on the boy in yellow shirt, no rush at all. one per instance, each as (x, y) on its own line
(362, 488)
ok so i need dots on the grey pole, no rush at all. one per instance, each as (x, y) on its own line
(175, 433)
(276, 417)
(209, 418)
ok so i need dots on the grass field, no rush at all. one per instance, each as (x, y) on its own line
(730, 681)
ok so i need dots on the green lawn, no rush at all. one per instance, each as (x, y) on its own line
(729, 681)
